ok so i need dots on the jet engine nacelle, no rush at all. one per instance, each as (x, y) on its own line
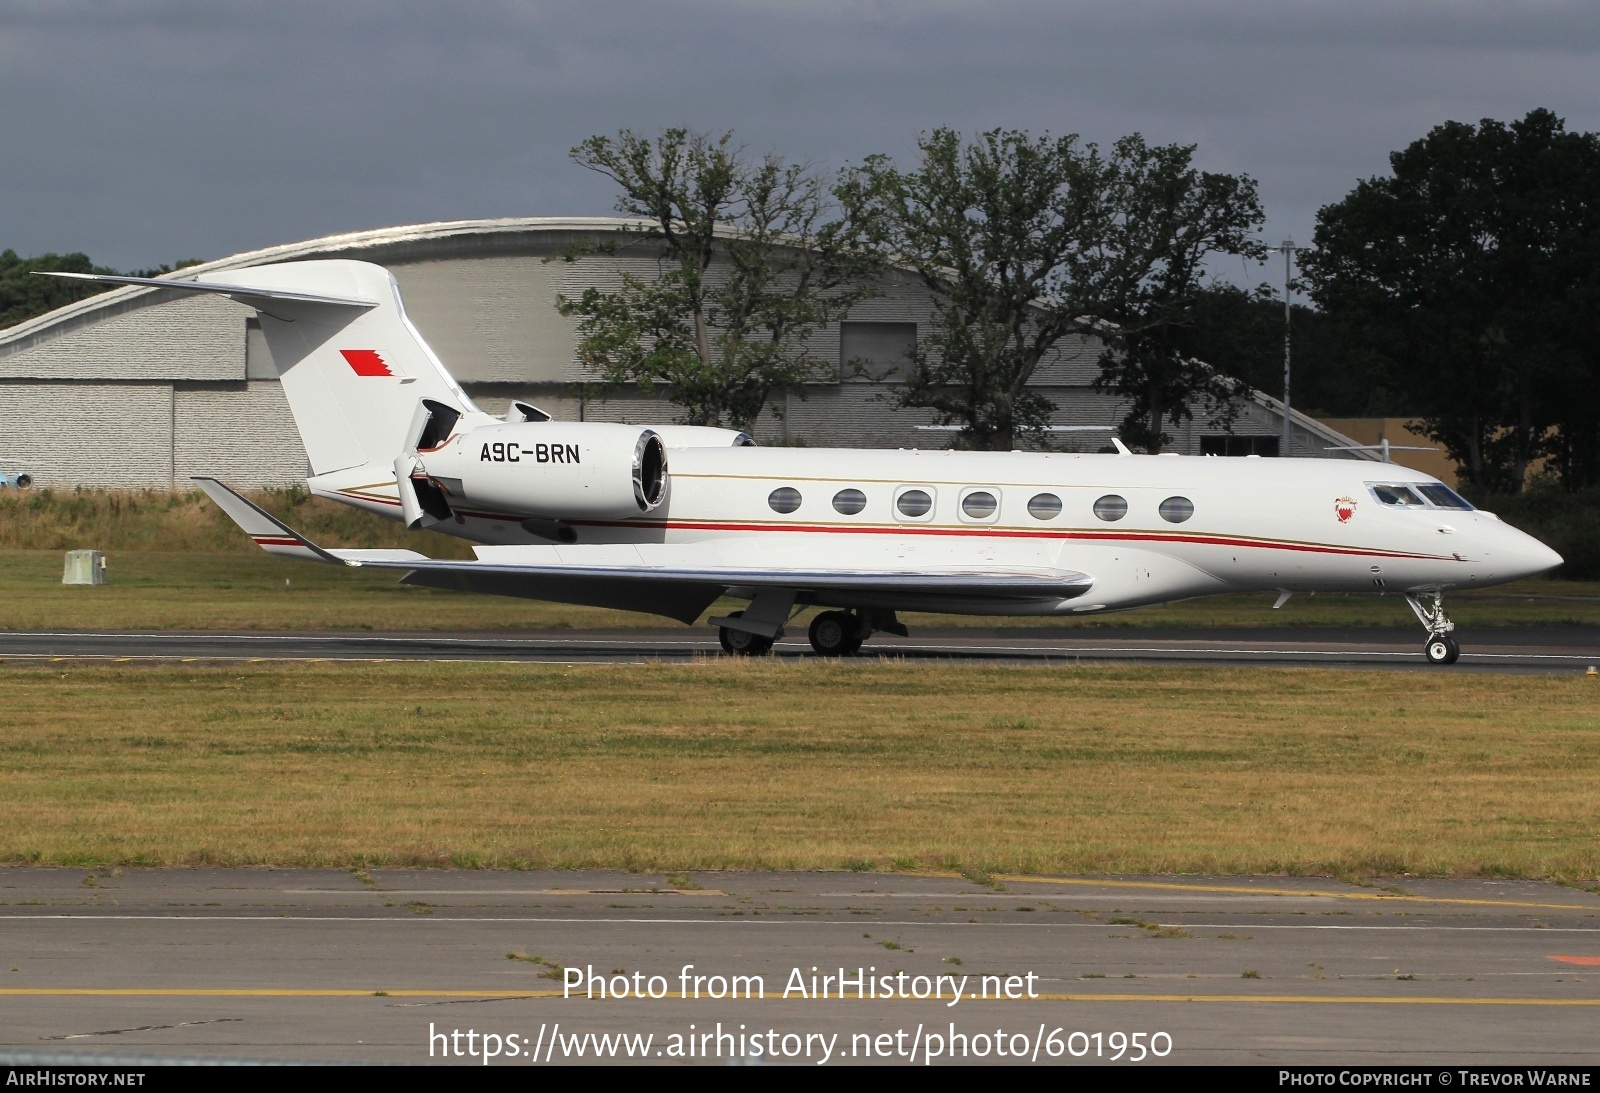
(557, 470)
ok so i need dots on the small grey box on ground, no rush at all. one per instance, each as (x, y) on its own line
(85, 567)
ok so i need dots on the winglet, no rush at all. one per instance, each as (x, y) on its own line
(271, 534)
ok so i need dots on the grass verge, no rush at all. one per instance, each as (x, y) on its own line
(202, 591)
(178, 563)
(186, 520)
(759, 764)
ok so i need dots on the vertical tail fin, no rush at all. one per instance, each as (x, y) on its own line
(353, 374)
(353, 367)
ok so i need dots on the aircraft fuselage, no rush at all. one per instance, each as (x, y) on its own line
(1148, 529)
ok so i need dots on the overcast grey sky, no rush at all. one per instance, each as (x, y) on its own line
(145, 131)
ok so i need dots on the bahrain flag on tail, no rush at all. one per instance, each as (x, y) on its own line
(366, 362)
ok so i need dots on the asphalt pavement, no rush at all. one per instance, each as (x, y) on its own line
(792, 968)
(1501, 649)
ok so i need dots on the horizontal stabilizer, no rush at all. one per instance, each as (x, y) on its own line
(271, 534)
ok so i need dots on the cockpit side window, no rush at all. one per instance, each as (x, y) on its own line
(1418, 495)
(1443, 496)
(1400, 496)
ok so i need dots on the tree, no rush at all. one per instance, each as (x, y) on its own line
(750, 267)
(1239, 332)
(1023, 242)
(1469, 278)
(24, 296)
(1166, 219)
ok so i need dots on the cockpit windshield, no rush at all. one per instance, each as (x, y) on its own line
(1396, 495)
(1417, 495)
(1443, 496)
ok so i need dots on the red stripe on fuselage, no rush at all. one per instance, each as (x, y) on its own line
(1092, 536)
(970, 532)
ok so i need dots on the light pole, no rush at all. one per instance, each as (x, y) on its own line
(1288, 248)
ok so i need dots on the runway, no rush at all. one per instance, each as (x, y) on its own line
(1501, 650)
(388, 967)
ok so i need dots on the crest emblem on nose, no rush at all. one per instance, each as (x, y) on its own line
(1344, 508)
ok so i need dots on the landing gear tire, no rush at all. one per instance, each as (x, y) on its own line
(1442, 649)
(739, 643)
(833, 634)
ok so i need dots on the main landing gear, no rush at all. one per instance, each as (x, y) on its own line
(1440, 648)
(841, 633)
(832, 633)
(742, 643)
(836, 634)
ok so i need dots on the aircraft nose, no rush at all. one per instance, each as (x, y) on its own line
(1529, 557)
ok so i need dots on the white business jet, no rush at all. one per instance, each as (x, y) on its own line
(668, 519)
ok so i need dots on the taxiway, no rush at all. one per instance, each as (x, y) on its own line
(349, 966)
(1503, 649)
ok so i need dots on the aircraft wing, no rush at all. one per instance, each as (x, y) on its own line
(678, 582)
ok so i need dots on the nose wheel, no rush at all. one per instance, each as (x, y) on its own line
(1440, 648)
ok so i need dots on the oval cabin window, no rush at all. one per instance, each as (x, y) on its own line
(1111, 507)
(1044, 506)
(980, 504)
(1175, 510)
(914, 503)
(849, 502)
(784, 499)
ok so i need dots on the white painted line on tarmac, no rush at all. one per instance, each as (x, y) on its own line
(219, 658)
(558, 643)
(775, 918)
(1068, 650)
(82, 635)
(994, 650)
(1441, 927)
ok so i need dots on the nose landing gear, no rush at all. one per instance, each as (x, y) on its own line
(1440, 648)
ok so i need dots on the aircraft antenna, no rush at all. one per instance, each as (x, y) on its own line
(1383, 446)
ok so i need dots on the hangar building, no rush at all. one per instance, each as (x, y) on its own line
(140, 387)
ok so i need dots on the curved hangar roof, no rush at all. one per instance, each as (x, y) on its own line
(467, 283)
(145, 387)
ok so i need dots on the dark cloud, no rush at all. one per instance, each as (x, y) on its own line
(147, 132)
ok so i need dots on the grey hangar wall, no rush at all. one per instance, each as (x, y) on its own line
(144, 388)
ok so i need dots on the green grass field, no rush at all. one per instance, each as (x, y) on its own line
(177, 563)
(809, 764)
(207, 591)
(746, 764)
